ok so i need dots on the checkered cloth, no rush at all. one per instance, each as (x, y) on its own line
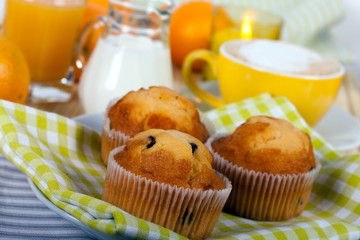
(62, 157)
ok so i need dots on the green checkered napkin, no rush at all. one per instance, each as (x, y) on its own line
(62, 157)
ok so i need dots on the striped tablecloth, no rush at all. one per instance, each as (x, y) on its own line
(23, 216)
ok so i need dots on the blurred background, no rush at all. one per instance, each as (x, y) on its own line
(345, 31)
(345, 34)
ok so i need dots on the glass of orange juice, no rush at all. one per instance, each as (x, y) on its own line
(46, 31)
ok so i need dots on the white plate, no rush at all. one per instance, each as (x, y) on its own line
(337, 127)
(93, 121)
(340, 129)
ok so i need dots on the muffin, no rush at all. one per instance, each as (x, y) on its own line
(165, 176)
(156, 107)
(271, 165)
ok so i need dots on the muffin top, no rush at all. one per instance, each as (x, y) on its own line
(156, 107)
(172, 157)
(268, 145)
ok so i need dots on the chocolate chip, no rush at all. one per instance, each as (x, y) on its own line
(311, 168)
(300, 201)
(193, 147)
(152, 139)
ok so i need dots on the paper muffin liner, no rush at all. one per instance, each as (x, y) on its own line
(111, 138)
(189, 212)
(264, 196)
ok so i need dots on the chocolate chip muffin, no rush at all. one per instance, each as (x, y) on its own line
(271, 165)
(156, 107)
(166, 177)
(187, 163)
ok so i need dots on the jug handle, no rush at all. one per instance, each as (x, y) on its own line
(87, 43)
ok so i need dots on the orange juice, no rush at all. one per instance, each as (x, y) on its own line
(46, 32)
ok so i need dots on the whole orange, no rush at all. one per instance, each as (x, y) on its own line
(190, 29)
(14, 73)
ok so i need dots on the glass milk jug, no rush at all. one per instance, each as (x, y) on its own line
(131, 53)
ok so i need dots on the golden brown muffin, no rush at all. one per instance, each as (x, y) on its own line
(156, 107)
(271, 166)
(165, 176)
(170, 157)
(268, 145)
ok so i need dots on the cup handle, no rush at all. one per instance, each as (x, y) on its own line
(190, 81)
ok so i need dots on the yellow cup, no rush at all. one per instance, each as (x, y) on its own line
(312, 95)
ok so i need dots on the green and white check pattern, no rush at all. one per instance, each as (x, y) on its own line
(62, 157)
